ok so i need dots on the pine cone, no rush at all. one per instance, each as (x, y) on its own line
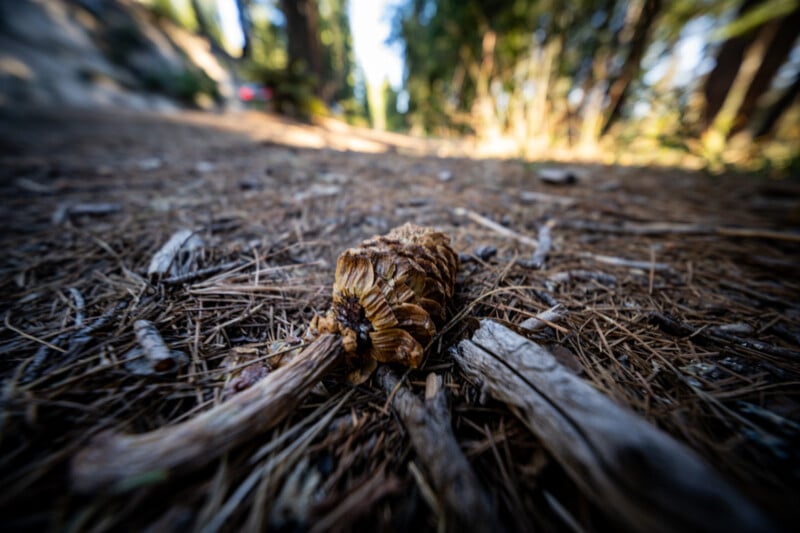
(389, 297)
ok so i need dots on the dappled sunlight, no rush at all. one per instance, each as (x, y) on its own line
(14, 67)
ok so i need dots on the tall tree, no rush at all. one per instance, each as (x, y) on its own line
(777, 109)
(337, 51)
(210, 31)
(619, 89)
(246, 25)
(305, 50)
(784, 35)
(728, 60)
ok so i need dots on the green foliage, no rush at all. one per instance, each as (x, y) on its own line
(186, 86)
(755, 18)
(395, 121)
(337, 50)
(292, 90)
(268, 41)
(122, 40)
(540, 73)
(178, 12)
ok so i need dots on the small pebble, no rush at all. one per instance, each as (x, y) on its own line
(151, 163)
(444, 176)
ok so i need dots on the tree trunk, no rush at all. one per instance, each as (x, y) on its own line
(729, 59)
(205, 30)
(305, 50)
(714, 138)
(618, 91)
(776, 110)
(784, 37)
(483, 108)
(243, 6)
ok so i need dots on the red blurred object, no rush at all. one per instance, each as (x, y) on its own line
(246, 93)
(251, 92)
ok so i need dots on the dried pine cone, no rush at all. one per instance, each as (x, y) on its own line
(389, 296)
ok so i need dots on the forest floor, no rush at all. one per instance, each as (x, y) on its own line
(682, 294)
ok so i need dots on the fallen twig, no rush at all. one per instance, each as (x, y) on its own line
(197, 274)
(568, 275)
(164, 260)
(494, 226)
(77, 340)
(536, 196)
(545, 318)
(678, 328)
(114, 461)
(649, 480)
(545, 242)
(666, 228)
(64, 211)
(428, 425)
(153, 357)
(621, 261)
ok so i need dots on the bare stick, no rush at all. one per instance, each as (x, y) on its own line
(113, 461)
(621, 261)
(494, 226)
(153, 346)
(677, 328)
(545, 242)
(644, 477)
(65, 211)
(428, 426)
(554, 314)
(191, 276)
(568, 275)
(164, 259)
(80, 304)
(153, 356)
(666, 228)
(543, 197)
(77, 341)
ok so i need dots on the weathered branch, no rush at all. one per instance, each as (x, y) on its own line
(428, 426)
(554, 314)
(77, 341)
(166, 258)
(717, 335)
(669, 228)
(113, 461)
(642, 476)
(494, 226)
(545, 240)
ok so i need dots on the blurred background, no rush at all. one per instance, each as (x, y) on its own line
(709, 84)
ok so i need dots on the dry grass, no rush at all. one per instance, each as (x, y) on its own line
(272, 219)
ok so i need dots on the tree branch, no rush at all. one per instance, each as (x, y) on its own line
(118, 462)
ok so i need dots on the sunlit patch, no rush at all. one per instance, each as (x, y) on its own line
(14, 67)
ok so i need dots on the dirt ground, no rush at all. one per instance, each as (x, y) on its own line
(88, 199)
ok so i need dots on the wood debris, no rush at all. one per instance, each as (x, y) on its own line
(175, 256)
(605, 449)
(116, 461)
(437, 449)
(153, 357)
